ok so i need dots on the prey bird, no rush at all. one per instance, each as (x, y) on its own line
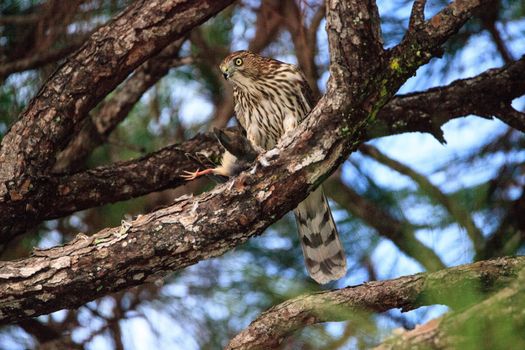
(271, 98)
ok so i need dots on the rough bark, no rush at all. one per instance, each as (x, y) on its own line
(28, 150)
(39, 59)
(423, 111)
(202, 227)
(106, 59)
(486, 95)
(406, 293)
(63, 194)
(497, 323)
(97, 128)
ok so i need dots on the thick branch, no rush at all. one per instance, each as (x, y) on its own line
(39, 59)
(97, 129)
(198, 228)
(106, 59)
(406, 293)
(60, 195)
(486, 95)
(424, 111)
(497, 322)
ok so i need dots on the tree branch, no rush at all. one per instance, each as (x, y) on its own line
(497, 320)
(511, 117)
(197, 228)
(417, 15)
(423, 111)
(60, 195)
(406, 293)
(97, 129)
(106, 59)
(39, 59)
(485, 95)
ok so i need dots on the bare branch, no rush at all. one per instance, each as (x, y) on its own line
(424, 111)
(485, 95)
(97, 129)
(417, 16)
(106, 59)
(60, 195)
(512, 117)
(407, 293)
(454, 331)
(356, 45)
(39, 59)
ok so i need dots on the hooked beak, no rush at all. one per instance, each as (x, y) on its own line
(226, 72)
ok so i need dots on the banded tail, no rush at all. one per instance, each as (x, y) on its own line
(323, 252)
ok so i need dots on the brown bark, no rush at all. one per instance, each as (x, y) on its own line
(497, 323)
(106, 59)
(423, 111)
(407, 293)
(486, 95)
(39, 59)
(60, 195)
(197, 228)
(97, 129)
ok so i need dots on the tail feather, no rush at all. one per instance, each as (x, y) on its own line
(323, 252)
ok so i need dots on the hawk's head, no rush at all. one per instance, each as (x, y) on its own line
(241, 67)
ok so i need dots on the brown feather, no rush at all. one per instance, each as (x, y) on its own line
(272, 97)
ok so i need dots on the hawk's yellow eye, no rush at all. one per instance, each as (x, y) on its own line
(238, 61)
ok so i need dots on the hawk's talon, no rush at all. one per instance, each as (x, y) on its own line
(192, 175)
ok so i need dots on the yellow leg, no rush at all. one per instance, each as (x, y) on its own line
(192, 175)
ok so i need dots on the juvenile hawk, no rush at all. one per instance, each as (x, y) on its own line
(271, 97)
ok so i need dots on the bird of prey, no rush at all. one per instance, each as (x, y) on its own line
(271, 98)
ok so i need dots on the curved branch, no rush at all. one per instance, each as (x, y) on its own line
(423, 111)
(39, 59)
(197, 228)
(486, 319)
(112, 111)
(105, 59)
(406, 293)
(60, 195)
(486, 95)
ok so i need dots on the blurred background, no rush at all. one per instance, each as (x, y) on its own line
(455, 202)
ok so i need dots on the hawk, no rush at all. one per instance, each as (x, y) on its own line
(271, 98)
